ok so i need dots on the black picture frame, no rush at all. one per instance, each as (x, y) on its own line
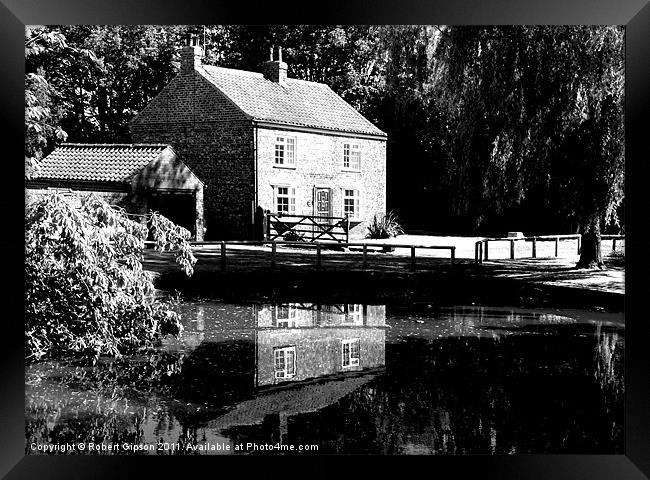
(635, 14)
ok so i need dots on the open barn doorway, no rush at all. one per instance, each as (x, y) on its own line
(178, 206)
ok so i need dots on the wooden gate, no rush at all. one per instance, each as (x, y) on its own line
(306, 228)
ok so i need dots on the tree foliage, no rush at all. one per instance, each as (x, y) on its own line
(42, 119)
(534, 110)
(85, 82)
(85, 287)
(535, 113)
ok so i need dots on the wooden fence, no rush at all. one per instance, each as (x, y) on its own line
(307, 228)
(319, 246)
(481, 252)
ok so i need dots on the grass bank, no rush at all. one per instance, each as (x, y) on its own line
(461, 286)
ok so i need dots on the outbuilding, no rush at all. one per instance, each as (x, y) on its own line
(137, 177)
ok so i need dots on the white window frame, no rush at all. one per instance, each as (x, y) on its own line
(354, 313)
(291, 199)
(283, 146)
(347, 361)
(356, 197)
(281, 352)
(282, 320)
(351, 157)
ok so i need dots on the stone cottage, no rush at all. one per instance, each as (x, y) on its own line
(262, 141)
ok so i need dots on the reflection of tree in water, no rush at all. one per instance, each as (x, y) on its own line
(220, 373)
(608, 361)
(109, 403)
(127, 400)
(522, 394)
(97, 427)
(411, 412)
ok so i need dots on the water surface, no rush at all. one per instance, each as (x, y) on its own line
(346, 378)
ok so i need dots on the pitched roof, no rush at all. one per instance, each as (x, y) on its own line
(294, 400)
(296, 103)
(98, 162)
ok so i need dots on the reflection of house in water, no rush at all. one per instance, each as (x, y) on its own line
(301, 341)
(234, 349)
(276, 361)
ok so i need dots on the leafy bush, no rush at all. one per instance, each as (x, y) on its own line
(385, 226)
(293, 236)
(85, 287)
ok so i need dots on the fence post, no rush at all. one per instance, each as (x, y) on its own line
(579, 240)
(476, 252)
(268, 224)
(534, 247)
(413, 259)
(557, 245)
(614, 244)
(273, 265)
(512, 249)
(347, 228)
(223, 256)
(453, 256)
(486, 249)
(365, 256)
(319, 263)
(480, 252)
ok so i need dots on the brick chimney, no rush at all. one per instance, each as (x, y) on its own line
(276, 70)
(191, 54)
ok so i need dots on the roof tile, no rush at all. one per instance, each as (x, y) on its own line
(296, 103)
(98, 162)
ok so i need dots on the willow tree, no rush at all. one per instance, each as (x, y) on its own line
(535, 109)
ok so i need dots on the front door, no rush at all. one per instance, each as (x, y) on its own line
(323, 202)
(322, 208)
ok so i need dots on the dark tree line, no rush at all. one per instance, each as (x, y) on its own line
(490, 128)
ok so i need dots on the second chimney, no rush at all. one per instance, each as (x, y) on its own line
(276, 70)
(191, 54)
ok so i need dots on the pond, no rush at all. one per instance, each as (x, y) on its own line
(344, 378)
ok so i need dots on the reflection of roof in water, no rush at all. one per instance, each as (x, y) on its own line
(299, 398)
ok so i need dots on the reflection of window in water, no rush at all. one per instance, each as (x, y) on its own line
(354, 313)
(351, 352)
(285, 316)
(285, 362)
(332, 309)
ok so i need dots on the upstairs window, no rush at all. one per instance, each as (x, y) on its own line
(285, 200)
(351, 156)
(351, 203)
(285, 151)
(351, 352)
(285, 362)
(354, 313)
(285, 316)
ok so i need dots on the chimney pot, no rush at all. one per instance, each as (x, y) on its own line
(276, 70)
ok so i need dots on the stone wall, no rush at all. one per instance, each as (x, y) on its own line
(214, 138)
(318, 351)
(319, 163)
